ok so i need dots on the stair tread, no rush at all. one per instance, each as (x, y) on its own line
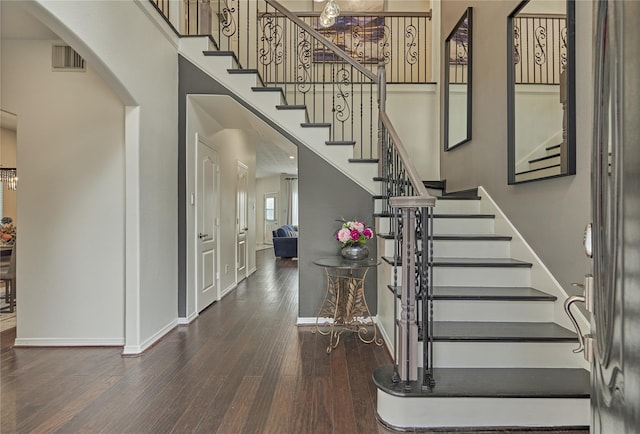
(266, 89)
(501, 331)
(471, 237)
(454, 197)
(493, 383)
(483, 262)
(340, 142)
(464, 216)
(546, 157)
(471, 262)
(242, 71)
(291, 107)
(488, 293)
(538, 170)
(317, 124)
(456, 237)
(363, 160)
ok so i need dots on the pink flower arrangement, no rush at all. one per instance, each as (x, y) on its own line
(353, 232)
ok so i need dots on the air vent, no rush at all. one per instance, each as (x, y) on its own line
(65, 58)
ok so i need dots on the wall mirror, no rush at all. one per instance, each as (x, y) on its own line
(541, 90)
(457, 83)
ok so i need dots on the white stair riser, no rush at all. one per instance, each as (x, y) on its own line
(481, 276)
(544, 163)
(471, 248)
(292, 117)
(459, 248)
(377, 205)
(505, 355)
(493, 310)
(463, 226)
(243, 80)
(435, 412)
(383, 224)
(551, 151)
(457, 206)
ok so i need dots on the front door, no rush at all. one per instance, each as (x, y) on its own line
(242, 219)
(615, 321)
(270, 216)
(207, 225)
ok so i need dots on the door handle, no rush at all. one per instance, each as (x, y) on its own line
(585, 342)
(201, 235)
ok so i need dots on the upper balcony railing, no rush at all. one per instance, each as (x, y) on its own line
(400, 40)
(540, 48)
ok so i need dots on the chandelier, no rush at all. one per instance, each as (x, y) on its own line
(329, 13)
(9, 177)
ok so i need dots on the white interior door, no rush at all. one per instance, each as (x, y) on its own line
(207, 215)
(270, 216)
(242, 219)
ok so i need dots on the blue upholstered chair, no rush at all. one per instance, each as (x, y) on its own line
(285, 242)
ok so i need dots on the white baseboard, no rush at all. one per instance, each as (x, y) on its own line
(69, 342)
(306, 321)
(311, 321)
(133, 350)
(189, 319)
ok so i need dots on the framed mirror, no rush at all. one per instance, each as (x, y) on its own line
(457, 83)
(541, 90)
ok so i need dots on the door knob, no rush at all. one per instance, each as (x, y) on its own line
(201, 235)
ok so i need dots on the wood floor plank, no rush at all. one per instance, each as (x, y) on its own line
(234, 421)
(242, 366)
(283, 400)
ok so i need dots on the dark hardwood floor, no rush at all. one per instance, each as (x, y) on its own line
(241, 367)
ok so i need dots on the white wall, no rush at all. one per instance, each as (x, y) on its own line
(71, 231)
(413, 110)
(148, 90)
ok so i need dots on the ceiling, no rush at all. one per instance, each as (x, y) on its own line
(273, 151)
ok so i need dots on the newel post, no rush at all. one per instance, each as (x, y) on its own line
(407, 351)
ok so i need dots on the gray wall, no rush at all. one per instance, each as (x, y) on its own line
(326, 195)
(550, 214)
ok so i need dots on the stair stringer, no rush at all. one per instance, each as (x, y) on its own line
(287, 122)
(541, 277)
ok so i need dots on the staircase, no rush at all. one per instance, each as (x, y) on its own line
(270, 104)
(497, 355)
(499, 359)
(543, 166)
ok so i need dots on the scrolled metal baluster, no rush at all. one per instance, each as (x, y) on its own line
(229, 26)
(563, 47)
(341, 108)
(384, 45)
(516, 44)
(540, 55)
(303, 77)
(411, 54)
